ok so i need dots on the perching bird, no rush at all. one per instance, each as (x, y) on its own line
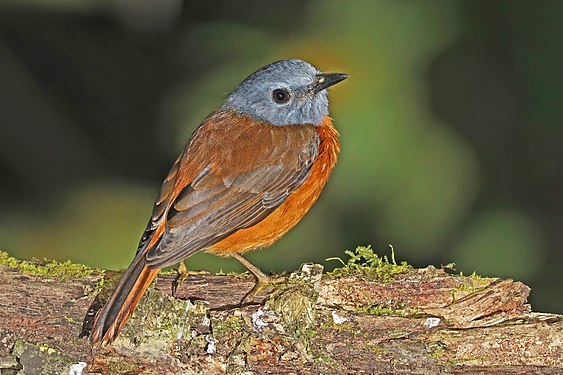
(249, 174)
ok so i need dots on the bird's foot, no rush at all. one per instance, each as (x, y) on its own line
(261, 283)
(182, 274)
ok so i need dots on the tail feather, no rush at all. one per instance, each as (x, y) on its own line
(126, 295)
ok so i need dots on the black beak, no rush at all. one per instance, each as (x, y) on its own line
(325, 80)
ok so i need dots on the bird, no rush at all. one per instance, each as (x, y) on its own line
(248, 174)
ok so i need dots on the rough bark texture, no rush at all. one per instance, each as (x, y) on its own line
(418, 321)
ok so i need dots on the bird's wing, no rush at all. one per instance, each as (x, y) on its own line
(160, 206)
(230, 190)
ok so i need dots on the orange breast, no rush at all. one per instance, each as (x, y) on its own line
(289, 213)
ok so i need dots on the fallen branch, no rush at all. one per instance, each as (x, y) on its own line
(401, 320)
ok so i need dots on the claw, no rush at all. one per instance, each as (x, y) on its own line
(262, 280)
(249, 297)
(258, 286)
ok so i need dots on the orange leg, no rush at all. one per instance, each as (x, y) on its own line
(262, 280)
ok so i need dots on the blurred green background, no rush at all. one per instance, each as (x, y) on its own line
(451, 123)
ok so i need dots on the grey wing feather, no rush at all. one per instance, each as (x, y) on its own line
(160, 206)
(211, 208)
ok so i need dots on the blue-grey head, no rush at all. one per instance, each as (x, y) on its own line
(286, 92)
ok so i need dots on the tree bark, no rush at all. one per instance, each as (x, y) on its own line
(423, 321)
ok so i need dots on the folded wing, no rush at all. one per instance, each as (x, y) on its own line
(225, 197)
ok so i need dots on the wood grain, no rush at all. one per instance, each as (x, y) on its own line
(436, 323)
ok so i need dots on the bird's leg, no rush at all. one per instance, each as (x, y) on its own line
(262, 280)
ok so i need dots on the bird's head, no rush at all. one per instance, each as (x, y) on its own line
(286, 92)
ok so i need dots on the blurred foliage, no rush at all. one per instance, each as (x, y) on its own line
(451, 125)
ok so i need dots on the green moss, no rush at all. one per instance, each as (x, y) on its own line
(120, 367)
(294, 302)
(100, 285)
(376, 310)
(239, 275)
(471, 284)
(39, 358)
(70, 319)
(436, 349)
(346, 327)
(400, 310)
(231, 325)
(62, 270)
(329, 363)
(377, 349)
(366, 264)
(160, 319)
(472, 360)
(235, 337)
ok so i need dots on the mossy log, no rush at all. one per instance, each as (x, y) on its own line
(395, 320)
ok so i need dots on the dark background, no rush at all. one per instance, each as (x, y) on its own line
(451, 124)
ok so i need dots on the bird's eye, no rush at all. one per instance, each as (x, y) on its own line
(280, 96)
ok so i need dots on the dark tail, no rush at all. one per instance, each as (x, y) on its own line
(120, 306)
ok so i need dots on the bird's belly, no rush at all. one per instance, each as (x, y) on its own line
(275, 225)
